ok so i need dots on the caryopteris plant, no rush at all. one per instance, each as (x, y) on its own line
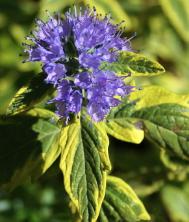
(85, 91)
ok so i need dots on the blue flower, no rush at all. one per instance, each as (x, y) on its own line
(71, 51)
(68, 99)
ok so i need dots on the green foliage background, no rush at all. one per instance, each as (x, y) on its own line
(161, 181)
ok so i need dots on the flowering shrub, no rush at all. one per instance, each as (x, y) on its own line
(86, 90)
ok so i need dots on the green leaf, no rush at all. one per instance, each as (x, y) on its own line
(178, 13)
(29, 145)
(84, 163)
(121, 203)
(164, 117)
(136, 64)
(176, 202)
(161, 31)
(166, 125)
(53, 6)
(103, 7)
(29, 95)
(178, 168)
(123, 129)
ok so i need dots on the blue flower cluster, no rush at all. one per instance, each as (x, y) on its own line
(71, 51)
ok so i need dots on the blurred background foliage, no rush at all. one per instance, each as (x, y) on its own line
(161, 180)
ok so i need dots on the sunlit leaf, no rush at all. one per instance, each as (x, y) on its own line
(166, 125)
(134, 64)
(176, 202)
(53, 6)
(29, 95)
(164, 116)
(124, 129)
(162, 31)
(113, 7)
(121, 203)
(84, 163)
(178, 13)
